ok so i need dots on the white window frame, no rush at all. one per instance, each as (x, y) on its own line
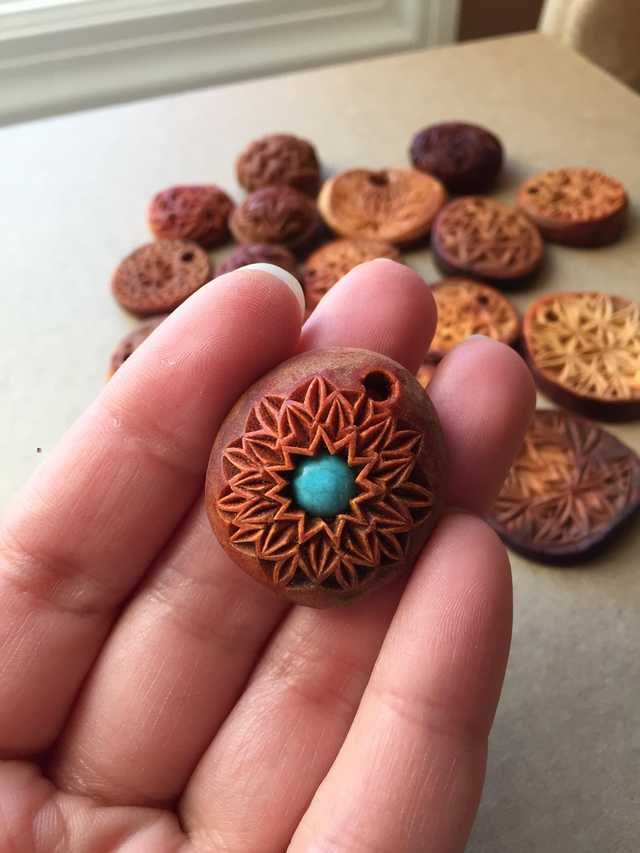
(73, 54)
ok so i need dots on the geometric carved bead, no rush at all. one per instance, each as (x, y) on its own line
(371, 413)
(584, 351)
(571, 486)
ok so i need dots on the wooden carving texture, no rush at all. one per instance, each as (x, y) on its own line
(327, 265)
(575, 195)
(294, 548)
(278, 214)
(466, 308)
(279, 159)
(589, 343)
(394, 205)
(486, 236)
(198, 213)
(571, 483)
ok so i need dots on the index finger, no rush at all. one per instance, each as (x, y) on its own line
(87, 526)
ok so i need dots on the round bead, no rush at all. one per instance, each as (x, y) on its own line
(323, 485)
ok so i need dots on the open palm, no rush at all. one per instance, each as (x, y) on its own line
(154, 699)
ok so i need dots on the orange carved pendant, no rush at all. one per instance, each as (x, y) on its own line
(345, 418)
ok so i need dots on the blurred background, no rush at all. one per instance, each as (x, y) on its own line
(62, 55)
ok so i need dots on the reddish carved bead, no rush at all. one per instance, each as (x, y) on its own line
(372, 415)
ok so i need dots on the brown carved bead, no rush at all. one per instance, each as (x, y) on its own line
(260, 253)
(131, 341)
(584, 351)
(465, 157)
(277, 159)
(395, 205)
(577, 207)
(276, 215)
(466, 308)
(483, 238)
(326, 266)
(198, 213)
(157, 277)
(570, 488)
(367, 416)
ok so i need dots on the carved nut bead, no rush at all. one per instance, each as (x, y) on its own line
(276, 215)
(276, 159)
(583, 349)
(394, 205)
(327, 476)
(199, 213)
(465, 157)
(570, 488)
(577, 207)
(481, 238)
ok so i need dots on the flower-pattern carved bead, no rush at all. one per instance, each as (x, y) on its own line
(587, 343)
(571, 484)
(485, 237)
(294, 548)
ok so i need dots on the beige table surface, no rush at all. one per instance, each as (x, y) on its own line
(564, 770)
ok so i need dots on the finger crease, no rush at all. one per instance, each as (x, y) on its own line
(433, 717)
(319, 675)
(160, 445)
(183, 597)
(54, 580)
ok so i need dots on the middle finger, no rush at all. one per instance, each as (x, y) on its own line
(183, 649)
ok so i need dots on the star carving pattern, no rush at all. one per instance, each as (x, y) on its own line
(571, 483)
(589, 343)
(294, 549)
(484, 234)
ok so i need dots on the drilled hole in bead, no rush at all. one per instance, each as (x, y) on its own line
(379, 179)
(186, 257)
(378, 385)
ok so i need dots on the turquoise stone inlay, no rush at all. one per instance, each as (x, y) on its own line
(323, 485)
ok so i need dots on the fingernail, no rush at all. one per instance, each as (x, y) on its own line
(286, 277)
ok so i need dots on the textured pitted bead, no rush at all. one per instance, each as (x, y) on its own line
(577, 207)
(465, 157)
(276, 215)
(327, 476)
(277, 159)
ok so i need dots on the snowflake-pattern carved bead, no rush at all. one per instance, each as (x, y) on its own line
(587, 344)
(294, 548)
(570, 486)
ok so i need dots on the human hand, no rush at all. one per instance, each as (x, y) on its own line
(154, 699)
